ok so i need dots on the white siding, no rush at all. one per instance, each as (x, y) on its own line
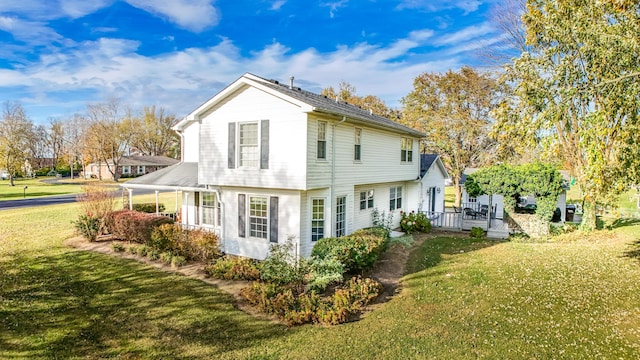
(305, 235)
(287, 129)
(434, 178)
(288, 221)
(191, 143)
(362, 218)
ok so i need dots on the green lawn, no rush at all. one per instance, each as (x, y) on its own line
(462, 299)
(35, 188)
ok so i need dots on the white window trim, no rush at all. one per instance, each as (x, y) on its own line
(215, 208)
(344, 212)
(248, 217)
(318, 140)
(367, 198)
(324, 217)
(239, 145)
(395, 199)
(406, 150)
(357, 141)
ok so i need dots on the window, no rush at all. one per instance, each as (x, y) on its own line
(322, 140)
(356, 147)
(126, 169)
(209, 207)
(317, 219)
(406, 154)
(395, 198)
(366, 199)
(140, 169)
(472, 199)
(258, 218)
(248, 139)
(341, 209)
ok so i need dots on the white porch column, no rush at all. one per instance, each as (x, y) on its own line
(157, 206)
(177, 209)
(130, 191)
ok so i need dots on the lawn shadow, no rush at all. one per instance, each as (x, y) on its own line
(622, 222)
(84, 305)
(432, 251)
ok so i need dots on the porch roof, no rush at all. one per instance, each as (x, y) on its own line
(181, 176)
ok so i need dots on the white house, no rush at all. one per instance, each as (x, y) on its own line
(263, 162)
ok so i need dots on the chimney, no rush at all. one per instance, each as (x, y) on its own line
(291, 82)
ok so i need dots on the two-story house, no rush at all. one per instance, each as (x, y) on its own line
(263, 162)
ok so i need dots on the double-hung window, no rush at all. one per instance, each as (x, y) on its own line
(366, 199)
(249, 153)
(258, 217)
(322, 140)
(406, 152)
(140, 169)
(209, 207)
(357, 150)
(126, 169)
(317, 219)
(395, 198)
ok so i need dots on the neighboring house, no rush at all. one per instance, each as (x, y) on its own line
(129, 166)
(498, 200)
(265, 162)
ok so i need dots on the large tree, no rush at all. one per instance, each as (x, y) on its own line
(74, 148)
(109, 134)
(16, 136)
(153, 134)
(347, 93)
(453, 110)
(578, 88)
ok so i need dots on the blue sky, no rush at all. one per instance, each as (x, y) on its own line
(56, 56)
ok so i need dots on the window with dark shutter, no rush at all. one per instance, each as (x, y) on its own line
(232, 146)
(273, 219)
(264, 144)
(242, 215)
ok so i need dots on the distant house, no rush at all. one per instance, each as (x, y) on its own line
(129, 166)
(264, 162)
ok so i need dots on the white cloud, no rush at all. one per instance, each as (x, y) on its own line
(334, 6)
(277, 4)
(30, 32)
(194, 15)
(466, 34)
(468, 6)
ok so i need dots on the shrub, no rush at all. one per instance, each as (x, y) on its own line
(147, 207)
(117, 247)
(381, 219)
(357, 251)
(477, 232)
(143, 250)
(165, 257)
(153, 254)
(88, 226)
(132, 250)
(281, 265)
(135, 226)
(97, 201)
(234, 268)
(198, 245)
(177, 261)
(322, 273)
(414, 222)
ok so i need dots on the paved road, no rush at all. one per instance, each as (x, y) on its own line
(53, 200)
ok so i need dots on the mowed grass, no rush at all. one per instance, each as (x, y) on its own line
(462, 298)
(36, 188)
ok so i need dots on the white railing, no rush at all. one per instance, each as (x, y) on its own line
(445, 220)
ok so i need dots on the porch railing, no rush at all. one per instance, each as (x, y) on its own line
(445, 220)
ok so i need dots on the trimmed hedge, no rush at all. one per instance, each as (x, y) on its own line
(357, 251)
(134, 226)
(148, 207)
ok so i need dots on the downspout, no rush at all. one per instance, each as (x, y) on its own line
(333, 169)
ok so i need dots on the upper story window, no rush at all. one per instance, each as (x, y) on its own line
(395, 198)
(357, 151)
(249, 155)
(406, 153)
(322, 140)
(366, 199)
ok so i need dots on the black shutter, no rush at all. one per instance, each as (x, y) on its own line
(242, 213)
(197, 212)
(264, 144)
(273, 219)
(232, 146)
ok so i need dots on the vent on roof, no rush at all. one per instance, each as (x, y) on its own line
(291, 82)
(370, 111)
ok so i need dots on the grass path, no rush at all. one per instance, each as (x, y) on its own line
(461, 299)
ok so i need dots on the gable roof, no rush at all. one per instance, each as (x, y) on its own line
(428, 160)
(311, 102)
